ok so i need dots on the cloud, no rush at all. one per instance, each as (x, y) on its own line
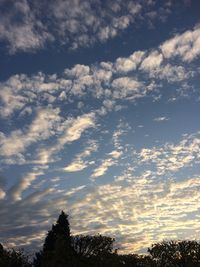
(40, 98)
(77, 127)
(27, 27)
(76, 166)
(126, 87)
(171, 73)
(125, 78)
(80, 163)
(26, 34)
(112, 160)
(151, 195)
(70, 130)
(137, 207)
(172, 157)
(102, 169)
(22, 92)
(115, 154)
(146, 209)
(128, 64)
(24, 184)
(158, 119)
(78, 71)
(2, 194)
(152, 61)
(42, 127)
(185, 45)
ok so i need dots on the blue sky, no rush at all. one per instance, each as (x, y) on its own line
(99, 116)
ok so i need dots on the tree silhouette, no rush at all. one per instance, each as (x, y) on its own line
(176, 253)
(92, 246)
(60, 230)
(93, 250)
(13, 258)
(57, 249)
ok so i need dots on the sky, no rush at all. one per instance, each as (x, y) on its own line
(99, 117)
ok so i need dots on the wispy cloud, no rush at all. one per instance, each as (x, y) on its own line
(42, 127)
(159, 119)
(107, 163)
(77, 127)
(80, 162)
(23, 184)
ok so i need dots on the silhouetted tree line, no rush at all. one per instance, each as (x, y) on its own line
(61, 249)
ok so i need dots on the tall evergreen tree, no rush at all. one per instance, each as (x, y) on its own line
(61, 230)
(57, 250)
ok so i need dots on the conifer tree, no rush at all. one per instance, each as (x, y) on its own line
(57, 250)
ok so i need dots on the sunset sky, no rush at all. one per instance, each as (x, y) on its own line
(100, 117)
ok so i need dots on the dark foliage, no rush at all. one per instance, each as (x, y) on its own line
(176, 253)
(13, 258)
(93, 250)
(57, 249)
(92, 246)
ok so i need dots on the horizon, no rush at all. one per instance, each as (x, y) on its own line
(99, 105)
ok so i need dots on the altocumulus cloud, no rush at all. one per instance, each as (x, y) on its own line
(73, 23)
(61, 129)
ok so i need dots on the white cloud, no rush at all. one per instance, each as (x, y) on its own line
(158, 119)
(172, 157)
(125, 65)
(24, 184)
(80, 163)
(70, 130)
(126, 87)
(171, 73)
(115, 154)
(102, 169)
(152, 61)
(185, 45)
(27, 34)
(142, 209)
(42, 127)
(77, 127)
(130, 63)
(106, 163)
(106, 81)
(73, 23)
(20, 92)
(78, 71)
(76, 166)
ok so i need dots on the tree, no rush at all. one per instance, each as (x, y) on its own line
(176, 253)
(57, 249)
(13, 258)
(60, 230)
(130, 260)
(89, 246)
(94, 250)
